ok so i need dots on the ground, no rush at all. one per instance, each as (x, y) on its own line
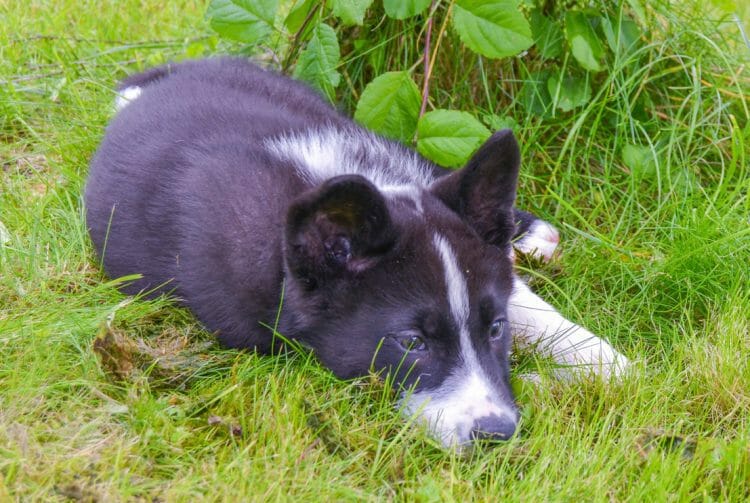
(105, 397)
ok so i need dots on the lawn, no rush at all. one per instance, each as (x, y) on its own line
(104, 397)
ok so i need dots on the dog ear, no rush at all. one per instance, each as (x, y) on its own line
(483, 192)
(341, 227)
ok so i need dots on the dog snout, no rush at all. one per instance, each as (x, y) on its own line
(493, 428)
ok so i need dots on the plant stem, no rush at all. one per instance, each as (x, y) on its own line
(427, 66)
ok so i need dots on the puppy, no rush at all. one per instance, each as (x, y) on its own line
(246, 196)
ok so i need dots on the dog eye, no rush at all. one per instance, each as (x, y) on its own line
(497, 329)
(411, 341)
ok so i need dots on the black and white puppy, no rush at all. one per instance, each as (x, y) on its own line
(245, 195)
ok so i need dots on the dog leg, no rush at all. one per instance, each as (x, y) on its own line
(536, 323)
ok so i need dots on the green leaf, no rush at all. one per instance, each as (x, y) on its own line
(584, 44)
(534, 95)
(570, 92)
(640, 160)
(297, 15)
(640, 12)
(493, 28)
(402, 9)
(496, 122)
(351, 11)
(390, 106)
(548, 36)
(622, 36)
(317, 62)
(449, 137)
(248, 21)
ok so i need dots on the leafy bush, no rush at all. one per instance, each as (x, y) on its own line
(563, 52)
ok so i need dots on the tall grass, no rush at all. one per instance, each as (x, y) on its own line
(655, 258)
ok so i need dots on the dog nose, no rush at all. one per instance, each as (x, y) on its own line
(493, 428)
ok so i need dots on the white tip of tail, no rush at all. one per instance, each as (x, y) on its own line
(125, 96)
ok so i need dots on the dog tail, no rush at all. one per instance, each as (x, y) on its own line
(131, 87)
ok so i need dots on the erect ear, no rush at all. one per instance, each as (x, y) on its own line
(483, 192)
(341, 227)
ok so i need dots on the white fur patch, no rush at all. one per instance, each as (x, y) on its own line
(468, 395)
(4, 234)
(537, 323)
(539, 241)
(325, 153)
(125, 96)
(458, 294)
(452, 410)
(412, 193)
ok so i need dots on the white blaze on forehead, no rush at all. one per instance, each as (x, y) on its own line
(458, 293)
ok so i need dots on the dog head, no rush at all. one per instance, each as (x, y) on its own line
(414, 282)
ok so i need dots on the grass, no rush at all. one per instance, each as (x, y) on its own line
(655, 258)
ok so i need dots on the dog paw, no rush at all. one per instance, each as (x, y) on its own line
(606, 363)
(584, 353)
(617, 367)
(540, 241)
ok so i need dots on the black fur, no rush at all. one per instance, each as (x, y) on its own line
(183, 191)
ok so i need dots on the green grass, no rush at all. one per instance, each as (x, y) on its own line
(657, 260)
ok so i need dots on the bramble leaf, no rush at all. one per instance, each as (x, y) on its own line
(248, 21)
(317, 62)
(449, 137)
(492, 28)
(351, 11)
(390, 105)
(297, 15)
(402, 9)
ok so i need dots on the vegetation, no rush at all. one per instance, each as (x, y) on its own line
(633, 121)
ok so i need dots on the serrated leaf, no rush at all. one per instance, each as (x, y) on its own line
(449, 137)
(548, 36)
(390, 106)
(569, 92)
(248, 21)
(402, 9)
(297, 15)
(584, 44)
(317, 62)
(493, 28)
(351, 11)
